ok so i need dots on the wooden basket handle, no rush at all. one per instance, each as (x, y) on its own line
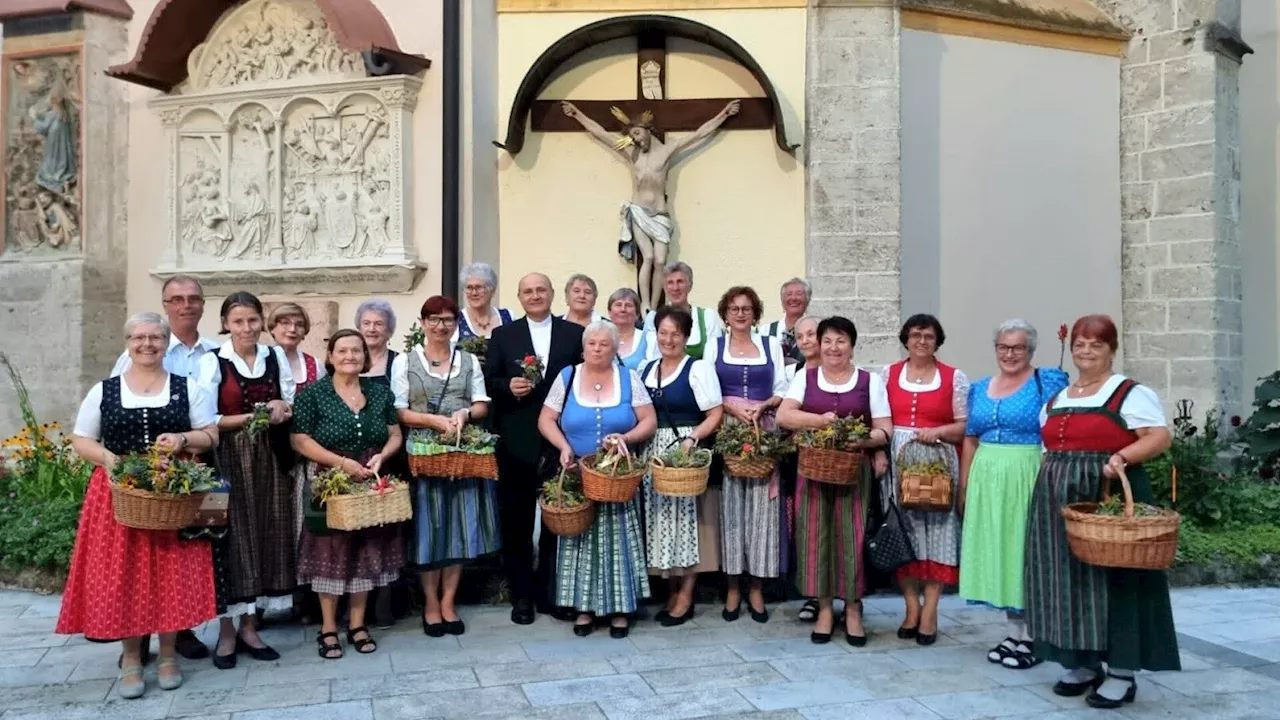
(1124, 486)
(936, 449)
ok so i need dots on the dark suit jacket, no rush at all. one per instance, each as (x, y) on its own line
(516, 419)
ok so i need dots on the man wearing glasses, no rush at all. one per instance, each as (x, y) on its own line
(183, 299)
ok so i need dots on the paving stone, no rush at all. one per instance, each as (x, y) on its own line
(712, 678)
(1266, 649)
(783, 649)
(153, 706)
(583, 711)
(675, 658)
(360, 687)
(14, 625)
(255, 698)
(480, 702)
(689, 638)
(21, 658)
(579, 690)
(1216, 682)
(819, 691)
(976, 616)
(352, 664)
(1185, 618)
(27, 641)
(919, 658)
(426, 658)
(350, 710)
(598, 645)
(677, 707)
(919, 682)
(986, 704)
(904, 709)
(38, 675)
(845, 666)
(43, 695)
(1044, 673)
(534, 671)
(762, 715)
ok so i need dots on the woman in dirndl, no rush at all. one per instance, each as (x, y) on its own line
(682, 533)
(1086, 616)
(349, 422)
(256, 561)
(831, 519)
(599, 404)
(928, 401)
(998, 465)
(289, 325)
(752, 374)
(441, 388)
(635, 346)
(478, 317)
(126, 584)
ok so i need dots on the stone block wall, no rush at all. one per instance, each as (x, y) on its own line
(1180, 205)
(853, 186)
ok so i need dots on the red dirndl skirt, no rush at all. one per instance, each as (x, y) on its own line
(126, 583)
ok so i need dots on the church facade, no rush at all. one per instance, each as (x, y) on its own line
(976, 159)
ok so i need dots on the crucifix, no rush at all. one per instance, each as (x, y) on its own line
(646, 228)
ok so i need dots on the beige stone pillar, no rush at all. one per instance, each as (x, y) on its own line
(62, 271)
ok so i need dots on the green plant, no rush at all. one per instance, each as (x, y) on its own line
(475, 345)
(1114, 507)
(259, 421)
(615, 461)
(1244, 545)
(745, 442)
(679, 457)
(414, 338)
(564, 491)
(1261, 432)
(160, 472)
(39, 462)
(475, 440)
(839, 435)
(36, 534)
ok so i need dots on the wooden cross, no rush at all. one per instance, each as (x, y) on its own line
(756, 113)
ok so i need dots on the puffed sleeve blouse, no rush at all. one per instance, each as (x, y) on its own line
(702, 380)
(1015, 419)
(775, 356)
(1141, 407)
(199, 407)
(639, 396)
(209, 372)
(400, 376)
(878, 394)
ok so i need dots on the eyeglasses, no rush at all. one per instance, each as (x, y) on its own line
(291, 325)
(153, 339)
(440, 321)
(924, 336)
(184, 300)
(741, 310)
(476, 289)
(1011, 349)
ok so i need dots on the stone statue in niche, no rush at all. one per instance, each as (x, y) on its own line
(646, 225)
(269, 41)
(42, 153)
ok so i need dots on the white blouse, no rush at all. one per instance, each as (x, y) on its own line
(639, 396)
(776, 355)
(1140, 409)
(302, 363)
(199, 403)
(702, 380)
(879, 394)
(400, 376)
(209, 372)
(959, 388)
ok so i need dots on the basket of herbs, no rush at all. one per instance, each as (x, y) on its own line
(680, 472)
(611, 474)
(829, 454)
(467, 454)
(351, 503)
(156, 490)
(1121, 533)
(565, 510)
(924, 483)
(750, 452)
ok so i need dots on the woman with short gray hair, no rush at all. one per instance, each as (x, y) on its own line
(376, 322)
(479, 317)
(634, 345)
(999, 461)
(580, 294)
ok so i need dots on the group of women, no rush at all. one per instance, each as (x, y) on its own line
(695, 370)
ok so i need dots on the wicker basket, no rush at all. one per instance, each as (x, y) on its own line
(143, 510)
(484, 467)
(440, 465)
(1127, 541)
(609, 488)
(756, 468)
(678, 482)
(368, 509)
(930, 492)
(834, 467)
(568, 522)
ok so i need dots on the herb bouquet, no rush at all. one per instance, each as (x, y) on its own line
(159, 491)
(475, 345)
(678, 472)
(565, 510)
(611, 474)
(750, 452)
(830, 454)
(354, 504)
(1119, 533)
(469, 454)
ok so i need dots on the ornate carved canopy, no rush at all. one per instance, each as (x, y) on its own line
(177, 27)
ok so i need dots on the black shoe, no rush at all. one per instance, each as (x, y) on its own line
(669, 620)
(761, 617)
(1103, 703)
(662, 616)
(522, 613)
(855, 640)
(906, 633)
(619, 633)
(926, 639)
(1066, 689)
(265, 653)
(584, 629)
(564, 614)
(224, 662)
(146, 654)
(190, 647)
(731, 615)
(818, 638)
(454, 627)
(431, 629)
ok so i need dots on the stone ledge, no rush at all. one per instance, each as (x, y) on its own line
(330, 280)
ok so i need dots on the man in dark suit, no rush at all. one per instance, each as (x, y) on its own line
(525, 459)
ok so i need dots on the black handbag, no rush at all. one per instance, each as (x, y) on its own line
(890, 547)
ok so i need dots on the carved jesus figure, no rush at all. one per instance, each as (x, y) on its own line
(646, 224)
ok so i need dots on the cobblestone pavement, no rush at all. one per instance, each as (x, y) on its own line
(1230, 640)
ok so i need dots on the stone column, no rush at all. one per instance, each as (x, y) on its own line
(62, 308)
(1180, 175)
(853, 187)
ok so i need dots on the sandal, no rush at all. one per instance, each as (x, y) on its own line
(327, 648)
(362, 643)
(808, 611)
(1021, 659)
(1006, 648)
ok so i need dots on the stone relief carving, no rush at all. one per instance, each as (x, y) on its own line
(266, 41)
(279, 176)
(42, 155)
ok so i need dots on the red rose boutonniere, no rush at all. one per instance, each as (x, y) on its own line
(532, 368)
(1062, 342)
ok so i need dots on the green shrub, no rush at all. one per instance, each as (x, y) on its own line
(1244, 545)
(39, 535)
(1261, 433)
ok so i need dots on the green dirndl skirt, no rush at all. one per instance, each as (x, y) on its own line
(1083, 615)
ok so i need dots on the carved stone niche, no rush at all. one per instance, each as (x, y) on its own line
(288, 168)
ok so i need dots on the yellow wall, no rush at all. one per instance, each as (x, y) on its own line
(738, 203)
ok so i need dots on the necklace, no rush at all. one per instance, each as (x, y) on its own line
(597, 387)
(483, 326)
(1079, 388)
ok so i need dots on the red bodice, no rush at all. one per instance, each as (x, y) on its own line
(237, 394)
(311, 368)
(931, 408)
(1089, 429)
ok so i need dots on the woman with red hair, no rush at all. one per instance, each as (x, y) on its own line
(440, 388)
(1084, 616)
